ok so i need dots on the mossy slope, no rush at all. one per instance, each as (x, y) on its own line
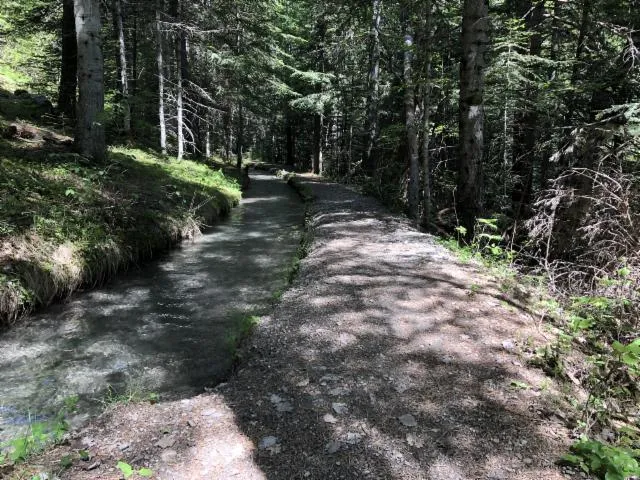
(67, 223)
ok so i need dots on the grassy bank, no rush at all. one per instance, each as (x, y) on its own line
(66, 223)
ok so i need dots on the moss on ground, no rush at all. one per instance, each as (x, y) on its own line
(66, 222)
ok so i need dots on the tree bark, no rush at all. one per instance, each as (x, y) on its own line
(90, 133)
(321, 32)
(527, 120)
(240, 137)
(122, 65)
(134, 52)
(179, 101)
(317, 144)
(373, 100)
(176, 7)
(426, 118)
(69, 70)
(471, 121)
(160, 61)
(290, 140)
(583, 35)
(228, 131)
(411, 130)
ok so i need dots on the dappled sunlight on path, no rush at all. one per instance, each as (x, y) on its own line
(387, 359)
(383, 323)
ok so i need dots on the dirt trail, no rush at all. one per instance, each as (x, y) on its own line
(387, 359)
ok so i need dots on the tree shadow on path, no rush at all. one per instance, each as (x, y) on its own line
(382, 323)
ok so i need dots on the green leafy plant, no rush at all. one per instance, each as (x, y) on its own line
(473, 289)
(128, 471)
(518, 385)
(486, 244)
(605, 461)
(39, 435)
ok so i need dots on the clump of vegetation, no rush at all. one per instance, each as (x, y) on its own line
(604, 461)
(242, 324)
(128, 471)
(39, 436)
(596, 346)
(67, 222)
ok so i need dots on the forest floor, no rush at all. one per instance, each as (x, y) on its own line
(387, 358)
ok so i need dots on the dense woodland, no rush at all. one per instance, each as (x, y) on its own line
(513, 125)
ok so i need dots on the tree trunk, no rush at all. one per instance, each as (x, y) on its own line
(69, 70)
(321, 32)
(179, 101)
(426, 118)
(317, 144)
(527, 121)
(583, 33)
(160, 60)
(290, 155)
(240, 137)
(176, 7)
(134, 52)
(471, 123)
(373, 100)
(122, 65)
(228, 134)
(207, 140)
(90, 134)
(411, 130)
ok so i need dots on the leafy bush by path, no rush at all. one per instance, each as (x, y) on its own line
(66, 222)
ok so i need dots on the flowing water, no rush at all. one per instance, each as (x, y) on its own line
(165, 328)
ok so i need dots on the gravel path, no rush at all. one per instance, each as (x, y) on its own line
(387, 359)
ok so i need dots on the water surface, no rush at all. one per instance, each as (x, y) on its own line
(164, 328)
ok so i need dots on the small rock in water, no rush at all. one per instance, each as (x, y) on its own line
(329, 378)
(267, 442)
(284, 407)
(303, 383)
(332, 447)
(401, 387)
(339, 408)
(280, 403)
(336, 392)
(328, 418)
(414, 440)
(408, 420)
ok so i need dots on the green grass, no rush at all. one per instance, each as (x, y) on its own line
(242, 325)
(66, 222)
(10, 80)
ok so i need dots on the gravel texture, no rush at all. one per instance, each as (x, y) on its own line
(386, 359)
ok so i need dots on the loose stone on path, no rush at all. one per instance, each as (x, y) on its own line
(408, 420)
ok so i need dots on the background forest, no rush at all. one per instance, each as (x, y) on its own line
(512, 126)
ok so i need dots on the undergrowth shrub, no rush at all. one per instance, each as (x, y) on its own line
(586, 235)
